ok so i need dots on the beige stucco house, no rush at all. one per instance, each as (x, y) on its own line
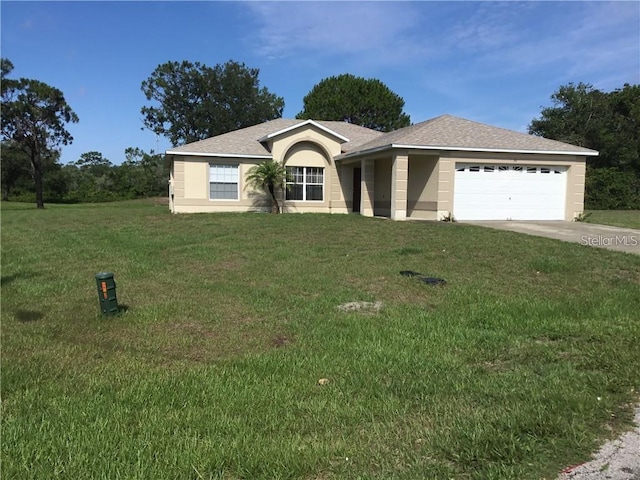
(431, 170)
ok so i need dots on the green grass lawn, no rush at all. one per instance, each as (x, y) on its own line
(518, 367)
(617, 218)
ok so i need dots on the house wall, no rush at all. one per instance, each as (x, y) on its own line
(422, 191)
(313, 147)
(382, 187)
(309, 154)
(574, 201)
(367, 186)
(191, 187)
(345, 177)
(576, 176)
(306, 154)
(281, 144)
(194, 173)
(446, 170)
(308, 147)
(172, 183)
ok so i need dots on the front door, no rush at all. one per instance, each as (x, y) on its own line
(357, 189)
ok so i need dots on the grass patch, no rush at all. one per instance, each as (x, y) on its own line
(518, 367)
(616, 218)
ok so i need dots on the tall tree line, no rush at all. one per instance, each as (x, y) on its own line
(605, 121)
(92, 178)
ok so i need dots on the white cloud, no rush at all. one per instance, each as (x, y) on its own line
(477, 40)
(485, 26)
(531, 49)
(493, 59)
(337, 29)
(590, 39)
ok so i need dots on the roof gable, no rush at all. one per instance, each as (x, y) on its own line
(249, 142)
(305, 123)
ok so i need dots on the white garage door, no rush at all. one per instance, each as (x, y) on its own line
(509, 192)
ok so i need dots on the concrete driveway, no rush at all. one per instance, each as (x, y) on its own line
(601, 236)
(618, 459)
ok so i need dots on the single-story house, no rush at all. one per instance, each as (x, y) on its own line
(430, 170)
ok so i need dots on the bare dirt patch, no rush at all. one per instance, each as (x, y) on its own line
(361, 307)
(281, 341)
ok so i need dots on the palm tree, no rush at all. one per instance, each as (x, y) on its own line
(268, 176)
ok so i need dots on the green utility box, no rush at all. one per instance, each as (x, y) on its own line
(107, 293)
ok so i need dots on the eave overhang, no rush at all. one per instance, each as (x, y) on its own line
(219, 155)
(397, 146)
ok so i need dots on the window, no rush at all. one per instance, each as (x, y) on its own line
(489, 168)
(517, 169)
(503, 168)
(474, 168)
(305, 184)
(532, 169)
(545, 170)
(223, 182)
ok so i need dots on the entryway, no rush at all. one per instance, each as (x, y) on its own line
(357, 189)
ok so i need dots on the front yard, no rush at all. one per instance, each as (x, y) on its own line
(617, 218)
(516, 368)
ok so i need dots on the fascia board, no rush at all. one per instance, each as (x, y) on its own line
(221, 155)
(591, 153)
(302, 124)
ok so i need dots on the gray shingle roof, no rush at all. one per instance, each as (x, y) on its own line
(452, 132)
(356, 134)
(446, 132)
(245, 141)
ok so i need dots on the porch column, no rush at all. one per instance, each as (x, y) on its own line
(366, 190)
(399, 182)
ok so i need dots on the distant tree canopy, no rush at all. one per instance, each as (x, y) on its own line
(91, 178)
(34, 118)
(607, 122)
(195, 101)
(15, 168)
(365, 102)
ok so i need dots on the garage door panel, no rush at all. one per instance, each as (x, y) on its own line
(498, 192)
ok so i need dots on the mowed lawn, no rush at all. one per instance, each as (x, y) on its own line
(518, 367)
(617, 218)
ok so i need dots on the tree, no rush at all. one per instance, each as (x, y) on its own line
(366, 102)
(607, 122)
(34, 115)
(197, 101)
(608, 188)
(15, 167)
(147, 173)
(6, 66)
(268, 176)
(94, 178)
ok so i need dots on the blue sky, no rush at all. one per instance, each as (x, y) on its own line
(493, 62)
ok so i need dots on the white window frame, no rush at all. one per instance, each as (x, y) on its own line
(225, 173)
(305, 183)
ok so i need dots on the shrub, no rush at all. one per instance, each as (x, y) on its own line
(611, 189)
